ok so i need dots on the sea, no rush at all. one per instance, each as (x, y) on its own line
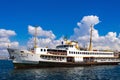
(106, 72)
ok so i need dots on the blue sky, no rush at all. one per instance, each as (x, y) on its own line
(59, 16)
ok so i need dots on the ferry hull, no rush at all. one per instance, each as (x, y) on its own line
(60, 64)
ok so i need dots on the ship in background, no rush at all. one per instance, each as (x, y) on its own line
(67, 54)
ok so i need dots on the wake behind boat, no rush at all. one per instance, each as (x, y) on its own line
(64, 55)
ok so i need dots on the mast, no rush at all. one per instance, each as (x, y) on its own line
(35, 36)
(90, 45)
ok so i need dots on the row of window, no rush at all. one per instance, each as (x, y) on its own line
(43, 50)
(87, 53)
(64, 46)
(58, 53)
(53, 50)
(52, 57)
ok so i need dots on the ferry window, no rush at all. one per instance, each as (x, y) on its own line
(45, 56)
(74, 52)
(42, 56)
(44, 49)
(41, 49)
(71, 52)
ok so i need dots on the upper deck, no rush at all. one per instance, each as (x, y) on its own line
(66, 47)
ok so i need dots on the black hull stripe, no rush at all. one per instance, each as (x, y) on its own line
(60, 64)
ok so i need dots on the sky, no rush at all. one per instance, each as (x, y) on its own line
(58, 18)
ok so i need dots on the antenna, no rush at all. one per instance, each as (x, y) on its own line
(35, 35)
(90, 45)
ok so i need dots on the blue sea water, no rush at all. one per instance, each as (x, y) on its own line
(7, 72)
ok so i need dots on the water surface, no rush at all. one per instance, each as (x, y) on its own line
(74, 73)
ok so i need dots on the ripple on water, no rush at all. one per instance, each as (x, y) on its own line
(73, 73)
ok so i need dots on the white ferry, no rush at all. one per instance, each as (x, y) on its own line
(64, 55)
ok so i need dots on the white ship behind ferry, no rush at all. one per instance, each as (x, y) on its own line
(64, 55)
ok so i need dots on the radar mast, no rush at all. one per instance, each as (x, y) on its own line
(35, 36)
(90, 45)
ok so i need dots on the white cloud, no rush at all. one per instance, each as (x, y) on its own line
(81, 34)
(46, 39)
(84, 26)
(44, 42)
(47, 42)
(41, 32)
(5, 41)
(6, 33)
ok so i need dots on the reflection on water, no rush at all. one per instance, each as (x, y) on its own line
(73, 73)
